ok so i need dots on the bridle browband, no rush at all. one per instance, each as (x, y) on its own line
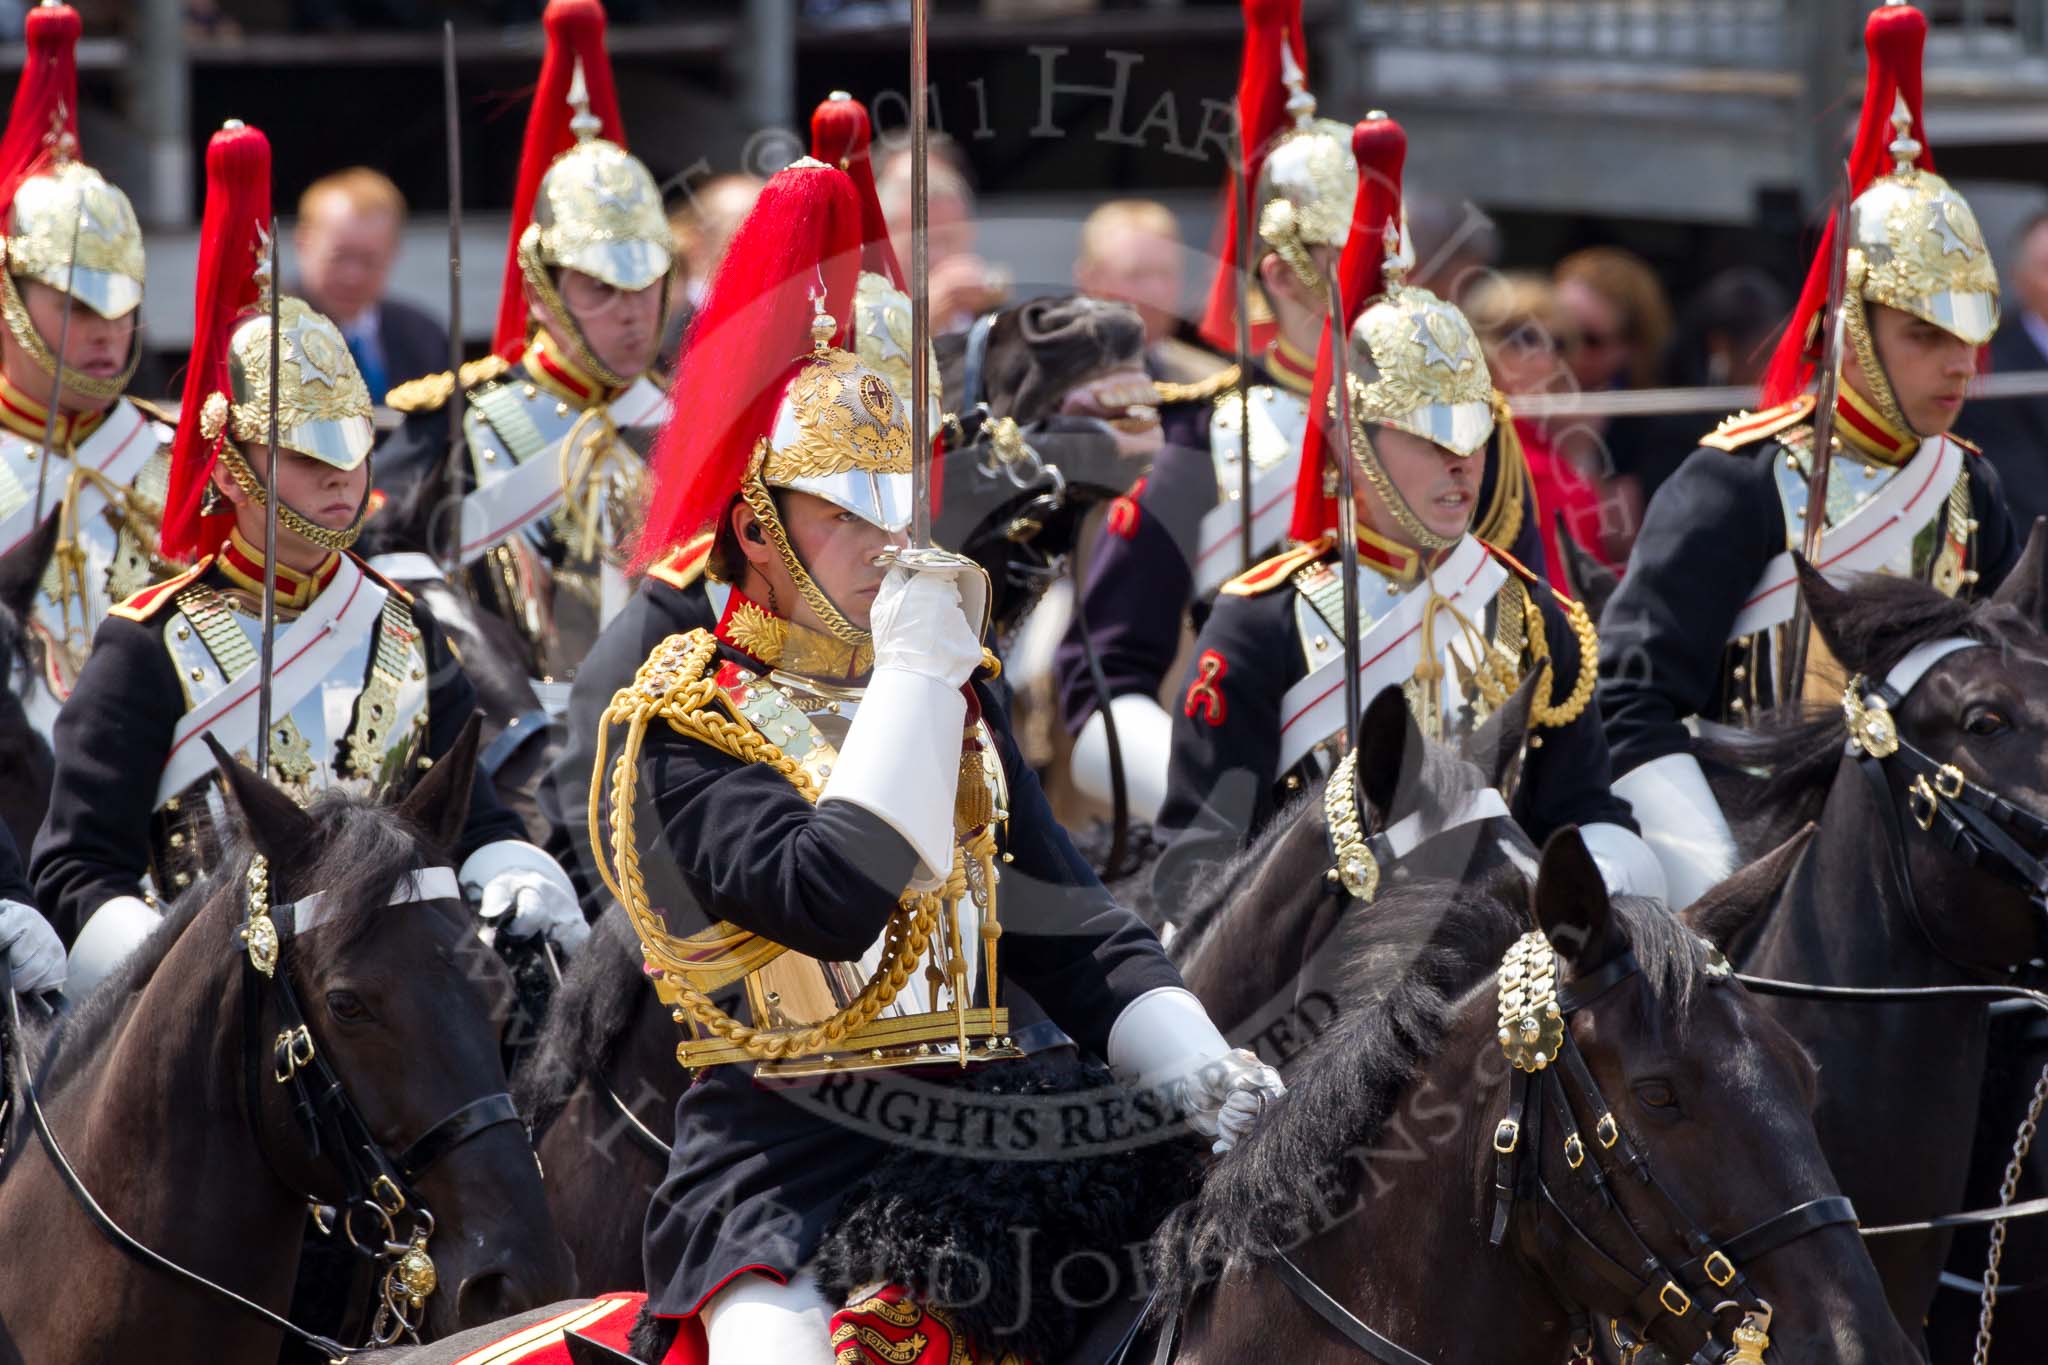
(1972, 822)
(378, 1189)
(1548, 1074)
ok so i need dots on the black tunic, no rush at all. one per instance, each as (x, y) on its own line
(1221, 791)
(1707, 537)
(13, 881)
(758, 1172)
(111, 742)
(1141, 585)
(657, 610)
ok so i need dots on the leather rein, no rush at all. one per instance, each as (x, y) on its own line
(381, 1212)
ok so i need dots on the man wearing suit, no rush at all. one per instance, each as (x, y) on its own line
(2014, 431)
(347, 239)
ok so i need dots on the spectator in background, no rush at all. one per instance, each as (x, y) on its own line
(2014, 431)
(1527, 333)
(1724, 339)
(702, 222)
(1621, 325)
(1131, 253)
(345, 243)
(963, 285)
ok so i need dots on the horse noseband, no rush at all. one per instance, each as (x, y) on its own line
(1548, 1071)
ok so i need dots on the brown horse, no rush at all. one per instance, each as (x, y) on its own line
(175, 1091)
(1673, 1119)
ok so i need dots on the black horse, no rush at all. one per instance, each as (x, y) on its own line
(1402, 1146)
(26, 764)
(1880, 900)
(184, 1094)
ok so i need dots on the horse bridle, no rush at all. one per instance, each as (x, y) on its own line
(1548, 1073)
(376, 1187)
(1969, 820)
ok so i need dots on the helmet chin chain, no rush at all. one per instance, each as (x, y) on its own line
(1412, 525)
(1856, 322)
(542, 283)
(15, 313)
(293, 520)
(757, 497)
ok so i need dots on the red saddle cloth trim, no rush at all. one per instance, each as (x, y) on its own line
(607, 1320)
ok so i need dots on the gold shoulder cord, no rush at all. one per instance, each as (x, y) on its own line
(1542, 712)
(677, 685)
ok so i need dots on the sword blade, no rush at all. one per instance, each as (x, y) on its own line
(451, 111)
(1347, 503)
(920, 280)
(1244, 347)
(265, 661)
(1827, 387)
(57, 372)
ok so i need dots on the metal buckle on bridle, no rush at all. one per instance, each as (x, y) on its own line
(292, 1051)
(1506, 1136)
(1719, 1269)
(387, 1194)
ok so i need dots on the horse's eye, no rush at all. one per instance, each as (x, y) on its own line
(1657, 1094)
(1986, 720)
(347, 1006)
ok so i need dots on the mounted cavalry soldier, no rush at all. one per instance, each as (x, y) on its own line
(364, 694)
(81, 476)
(556, 418)
(1706, 625)
(675, 595)
(1182, 531)
(1457, 623)
(833, 784)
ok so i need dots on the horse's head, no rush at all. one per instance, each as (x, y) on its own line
(1958, 738)
(1659, 1138)
(400, 1005)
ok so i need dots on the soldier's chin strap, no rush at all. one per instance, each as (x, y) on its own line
(293, 520)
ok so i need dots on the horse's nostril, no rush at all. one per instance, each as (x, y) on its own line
(488, 1297)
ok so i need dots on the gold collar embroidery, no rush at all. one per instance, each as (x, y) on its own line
(783, 644)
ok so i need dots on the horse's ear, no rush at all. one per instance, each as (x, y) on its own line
(1571, 904)
(1585, 577)
(272, 821)
(1731, 906)
(1829, 607)
(1389, 748)
(439, 804)
(21, 569)
(1496, 746)
(2026, 587)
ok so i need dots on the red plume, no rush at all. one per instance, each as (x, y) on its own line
(745, 343)
(1894, 36)
(575, 33)
(1262, 114)
(230, 246)
(841, 136)
(46, 97)
(1381, 146)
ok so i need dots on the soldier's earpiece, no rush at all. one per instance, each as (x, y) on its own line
(754, 534)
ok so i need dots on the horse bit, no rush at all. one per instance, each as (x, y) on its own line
(378, 1189)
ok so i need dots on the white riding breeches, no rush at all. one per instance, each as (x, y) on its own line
(755, 1320)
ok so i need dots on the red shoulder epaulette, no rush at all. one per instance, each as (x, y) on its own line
(1747, 428)
(379, 579)
(683, 565)
(145, 603)
(1263, 578)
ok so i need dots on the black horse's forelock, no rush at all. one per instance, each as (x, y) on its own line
(591, 1012)
(363, 851)
(1412, 963)
(1441, 781)
(1784, 763)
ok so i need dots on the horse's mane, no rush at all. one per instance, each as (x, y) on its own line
(1443, 779)
(14, 660)
(1411, 964)
(1781, 767)
(363, 847)
(591, 1012)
